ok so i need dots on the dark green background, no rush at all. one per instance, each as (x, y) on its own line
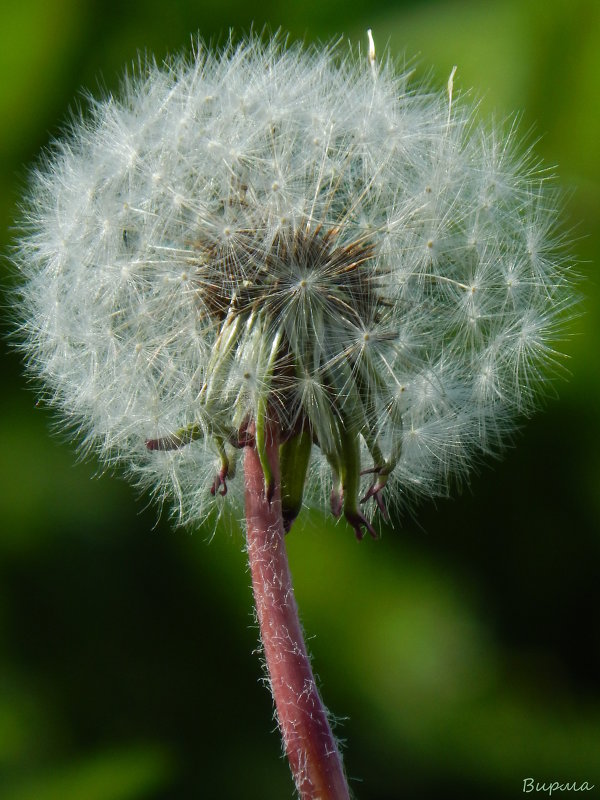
(462, 651)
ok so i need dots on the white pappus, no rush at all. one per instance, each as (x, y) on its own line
(293, 236)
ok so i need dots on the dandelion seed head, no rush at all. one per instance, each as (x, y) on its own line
(290, 233)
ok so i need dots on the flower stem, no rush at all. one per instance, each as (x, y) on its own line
(311, 749)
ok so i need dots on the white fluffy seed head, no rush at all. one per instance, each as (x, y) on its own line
(297, 230)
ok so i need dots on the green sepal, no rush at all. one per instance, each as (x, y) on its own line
(294, 456)
(180, 438)
(262, 417)
(350, 468)
(350, 474)
(260, 436)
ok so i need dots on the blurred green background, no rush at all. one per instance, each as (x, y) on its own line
(461, 652)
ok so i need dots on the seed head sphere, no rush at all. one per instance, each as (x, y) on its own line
(295, 237)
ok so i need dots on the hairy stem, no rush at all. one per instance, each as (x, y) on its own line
(311, 749)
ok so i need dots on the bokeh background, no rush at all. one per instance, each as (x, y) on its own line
(461, 652)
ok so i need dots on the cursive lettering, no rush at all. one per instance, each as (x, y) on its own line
(529, 785)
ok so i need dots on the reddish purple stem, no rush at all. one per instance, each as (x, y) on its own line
(311, 749)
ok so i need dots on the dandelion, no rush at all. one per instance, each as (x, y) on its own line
(293, 255)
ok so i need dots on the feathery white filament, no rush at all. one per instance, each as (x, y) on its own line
(270, 227)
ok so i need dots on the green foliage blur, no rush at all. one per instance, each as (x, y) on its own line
(461, 652)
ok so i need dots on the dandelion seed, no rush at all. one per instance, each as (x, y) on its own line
(371, 53)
